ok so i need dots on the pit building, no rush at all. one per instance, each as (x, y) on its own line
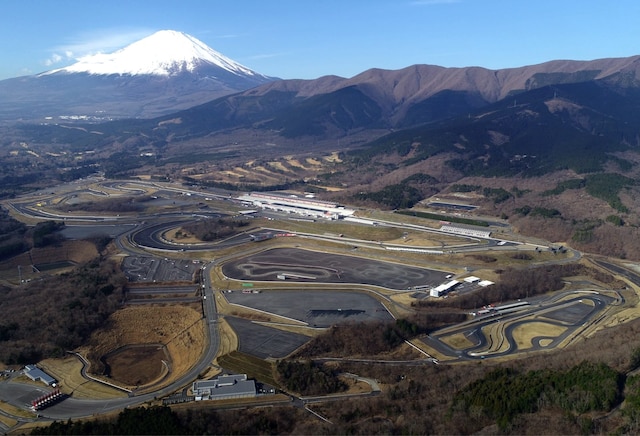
(298, 205)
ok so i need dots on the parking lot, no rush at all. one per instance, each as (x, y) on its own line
(315, 307)
(263, 341)
(154, 269)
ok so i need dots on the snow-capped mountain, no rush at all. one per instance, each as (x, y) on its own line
(162, 73)
(165, 53)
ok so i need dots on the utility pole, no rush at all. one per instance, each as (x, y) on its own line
(20, 272)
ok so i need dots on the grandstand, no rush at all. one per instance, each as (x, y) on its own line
(465, 231)
(293, 204)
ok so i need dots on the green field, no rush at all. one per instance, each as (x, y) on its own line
(252, 366)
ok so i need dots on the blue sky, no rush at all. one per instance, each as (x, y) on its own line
(307, 39)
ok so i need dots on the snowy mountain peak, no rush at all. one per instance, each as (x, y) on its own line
(165, 53)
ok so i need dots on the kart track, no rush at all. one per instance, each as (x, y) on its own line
(542, 325)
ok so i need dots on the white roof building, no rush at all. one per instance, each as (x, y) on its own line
(224, 387)
(36, 374)
(465, 231)
(298, 205)
(443, 288)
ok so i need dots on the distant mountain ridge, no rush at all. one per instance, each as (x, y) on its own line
(333, 107)
(417, 111)
(170, 71)
(398, 90)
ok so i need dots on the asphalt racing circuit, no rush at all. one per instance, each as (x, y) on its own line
(321, 267)
(526, 326)
(305, 287)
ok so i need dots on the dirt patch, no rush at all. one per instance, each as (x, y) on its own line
(180, 235)
(334, 157)
(279, 167)
(137, 365)
(295, 163)
(180, 329)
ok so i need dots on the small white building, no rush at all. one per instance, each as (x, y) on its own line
(438, 291)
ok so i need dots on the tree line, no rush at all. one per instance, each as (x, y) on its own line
(45, 318)
(360, 339)
(505, 393)
(214, 229)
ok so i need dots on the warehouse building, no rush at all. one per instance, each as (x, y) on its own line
(224, 387)
(36, 374)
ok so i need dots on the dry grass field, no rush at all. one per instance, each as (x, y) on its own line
(180, 235)
(228, 338)
(179, 328)
(524, 334)
(254, 367)
(71, 382)
(9, 422)
(16, 411)
(263, 171)
(458, 341)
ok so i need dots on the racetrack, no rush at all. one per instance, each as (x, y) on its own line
(499, 334)
(313, 266)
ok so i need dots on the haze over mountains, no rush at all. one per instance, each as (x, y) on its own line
(164, 72)
(169, 71)
(501, 114)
